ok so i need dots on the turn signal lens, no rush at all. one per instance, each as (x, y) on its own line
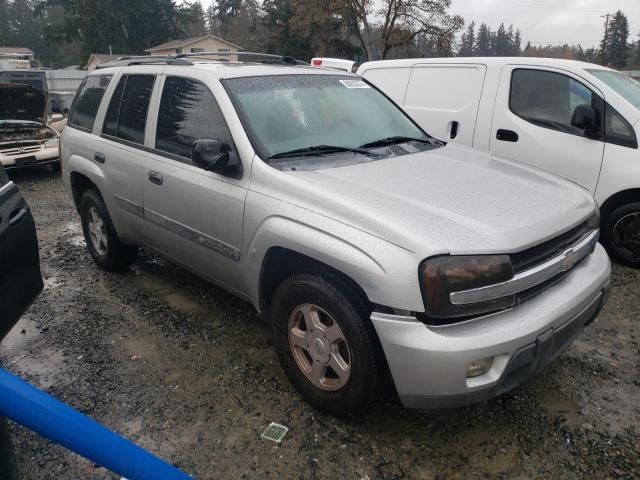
(444, 275)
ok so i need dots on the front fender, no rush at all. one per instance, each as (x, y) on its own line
(386, 273)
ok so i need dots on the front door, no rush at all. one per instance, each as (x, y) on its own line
(532, 123)
(193, 216)
(20, 279)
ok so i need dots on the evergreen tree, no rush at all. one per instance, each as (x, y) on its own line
(212, 20)
(483, 41)
(468, 41)
(225, 11)
(615, 48)
(193, 21)
(517, 44)
(4, 22)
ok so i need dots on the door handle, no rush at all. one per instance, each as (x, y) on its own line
(454, 130)
(99, 157)
(507, 135)
(17, 215)
(156, 178)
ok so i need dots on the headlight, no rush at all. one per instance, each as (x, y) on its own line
(594, 221)
(441, 276)
(52, 142)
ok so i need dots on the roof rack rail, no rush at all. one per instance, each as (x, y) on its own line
(182, 59)
(268, 57)
(145, 60)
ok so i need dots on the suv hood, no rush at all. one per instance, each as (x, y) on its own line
(22, 102)
(449, 200)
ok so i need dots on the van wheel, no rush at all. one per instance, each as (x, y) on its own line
(621, 234)
(326, 343)
(102, 240)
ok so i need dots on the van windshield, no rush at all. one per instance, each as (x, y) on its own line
(323, 114)
(621, 83)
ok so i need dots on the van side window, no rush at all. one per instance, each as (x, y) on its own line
(87, 101)
(188, 112)
(127, 113)
(548, 99)
(617, 130)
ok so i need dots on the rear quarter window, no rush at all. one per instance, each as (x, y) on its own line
(85, 105)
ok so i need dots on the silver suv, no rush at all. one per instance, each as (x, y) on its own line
(376, 251)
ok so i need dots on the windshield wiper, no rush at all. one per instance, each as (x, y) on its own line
(318, 150)
(383, 142)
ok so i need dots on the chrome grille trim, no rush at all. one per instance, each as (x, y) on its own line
(530, 278)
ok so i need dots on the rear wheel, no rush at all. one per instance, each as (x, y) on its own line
(621, 234)
(326, 343)
(102, 240)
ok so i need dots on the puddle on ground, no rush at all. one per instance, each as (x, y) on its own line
(556, 404)
(176, 299)
(17, 340)
(76, 238)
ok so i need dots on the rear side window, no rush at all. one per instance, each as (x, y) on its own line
(87, 101)
(548, 99)
(127, 113)
(188, 112)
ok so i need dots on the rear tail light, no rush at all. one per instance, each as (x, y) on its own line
(317, 62)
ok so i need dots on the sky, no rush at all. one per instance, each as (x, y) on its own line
(551, 21)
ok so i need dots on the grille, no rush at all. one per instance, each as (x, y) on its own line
(19, 150)
(540, 253)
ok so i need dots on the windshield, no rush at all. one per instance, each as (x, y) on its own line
(621, 83)
(287, 113)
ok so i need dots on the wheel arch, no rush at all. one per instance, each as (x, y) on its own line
(618, 199)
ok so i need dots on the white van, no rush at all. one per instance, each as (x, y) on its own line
(578, 120)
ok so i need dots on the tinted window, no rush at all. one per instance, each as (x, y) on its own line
(127, 113)
(548, 99)
(188, 112)
(87, 100)
(617, 129)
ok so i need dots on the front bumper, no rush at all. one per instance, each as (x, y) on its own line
(429, 364)
(39, 157)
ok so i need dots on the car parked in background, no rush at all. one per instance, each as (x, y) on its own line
(577, 120)
(369, 245)
(26, 137)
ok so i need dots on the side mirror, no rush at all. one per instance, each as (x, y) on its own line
(215, 156)
(65, 112)
(586, 118)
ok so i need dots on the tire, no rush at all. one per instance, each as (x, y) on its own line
(106, 249)
(56, 167)
(335, 303)
(621, 234)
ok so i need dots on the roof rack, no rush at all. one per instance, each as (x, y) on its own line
(182, 59)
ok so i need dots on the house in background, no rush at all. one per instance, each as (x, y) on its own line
(96, 59)
(203, 43)
(17, 58)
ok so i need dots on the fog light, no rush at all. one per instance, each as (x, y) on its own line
(479, 367)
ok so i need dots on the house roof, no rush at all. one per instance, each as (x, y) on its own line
(21, 50)
(103, 57)
(183, 42)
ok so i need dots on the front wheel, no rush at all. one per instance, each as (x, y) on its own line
(326, 343)
(102, 240)
(621, 234)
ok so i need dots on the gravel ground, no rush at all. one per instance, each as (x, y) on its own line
(188, 372)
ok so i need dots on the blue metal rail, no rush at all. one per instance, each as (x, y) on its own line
(58, 422)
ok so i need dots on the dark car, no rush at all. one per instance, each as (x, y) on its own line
(20, 281)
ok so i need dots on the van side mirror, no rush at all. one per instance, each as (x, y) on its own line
(214, 155)
(585, 118)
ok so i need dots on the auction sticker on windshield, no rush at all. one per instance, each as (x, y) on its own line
(354, 84)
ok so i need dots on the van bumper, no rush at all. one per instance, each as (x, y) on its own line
(429, 364)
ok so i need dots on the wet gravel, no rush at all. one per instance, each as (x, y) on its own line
(188, 372)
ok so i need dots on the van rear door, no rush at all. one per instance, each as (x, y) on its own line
(444, 98)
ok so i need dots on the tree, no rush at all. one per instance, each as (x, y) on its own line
(211, 20)
(483, 41)
(401, 21)
(193, 20)
(225, 11)
(615, 48)
(4, 22)
(468, 41)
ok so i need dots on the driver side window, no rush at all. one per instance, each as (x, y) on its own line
(548, 99)
(188, 112)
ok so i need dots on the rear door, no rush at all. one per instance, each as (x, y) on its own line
(444, 99)
(532, 122)
(20, 279)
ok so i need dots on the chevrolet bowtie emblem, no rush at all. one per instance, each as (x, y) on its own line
(569, 260)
